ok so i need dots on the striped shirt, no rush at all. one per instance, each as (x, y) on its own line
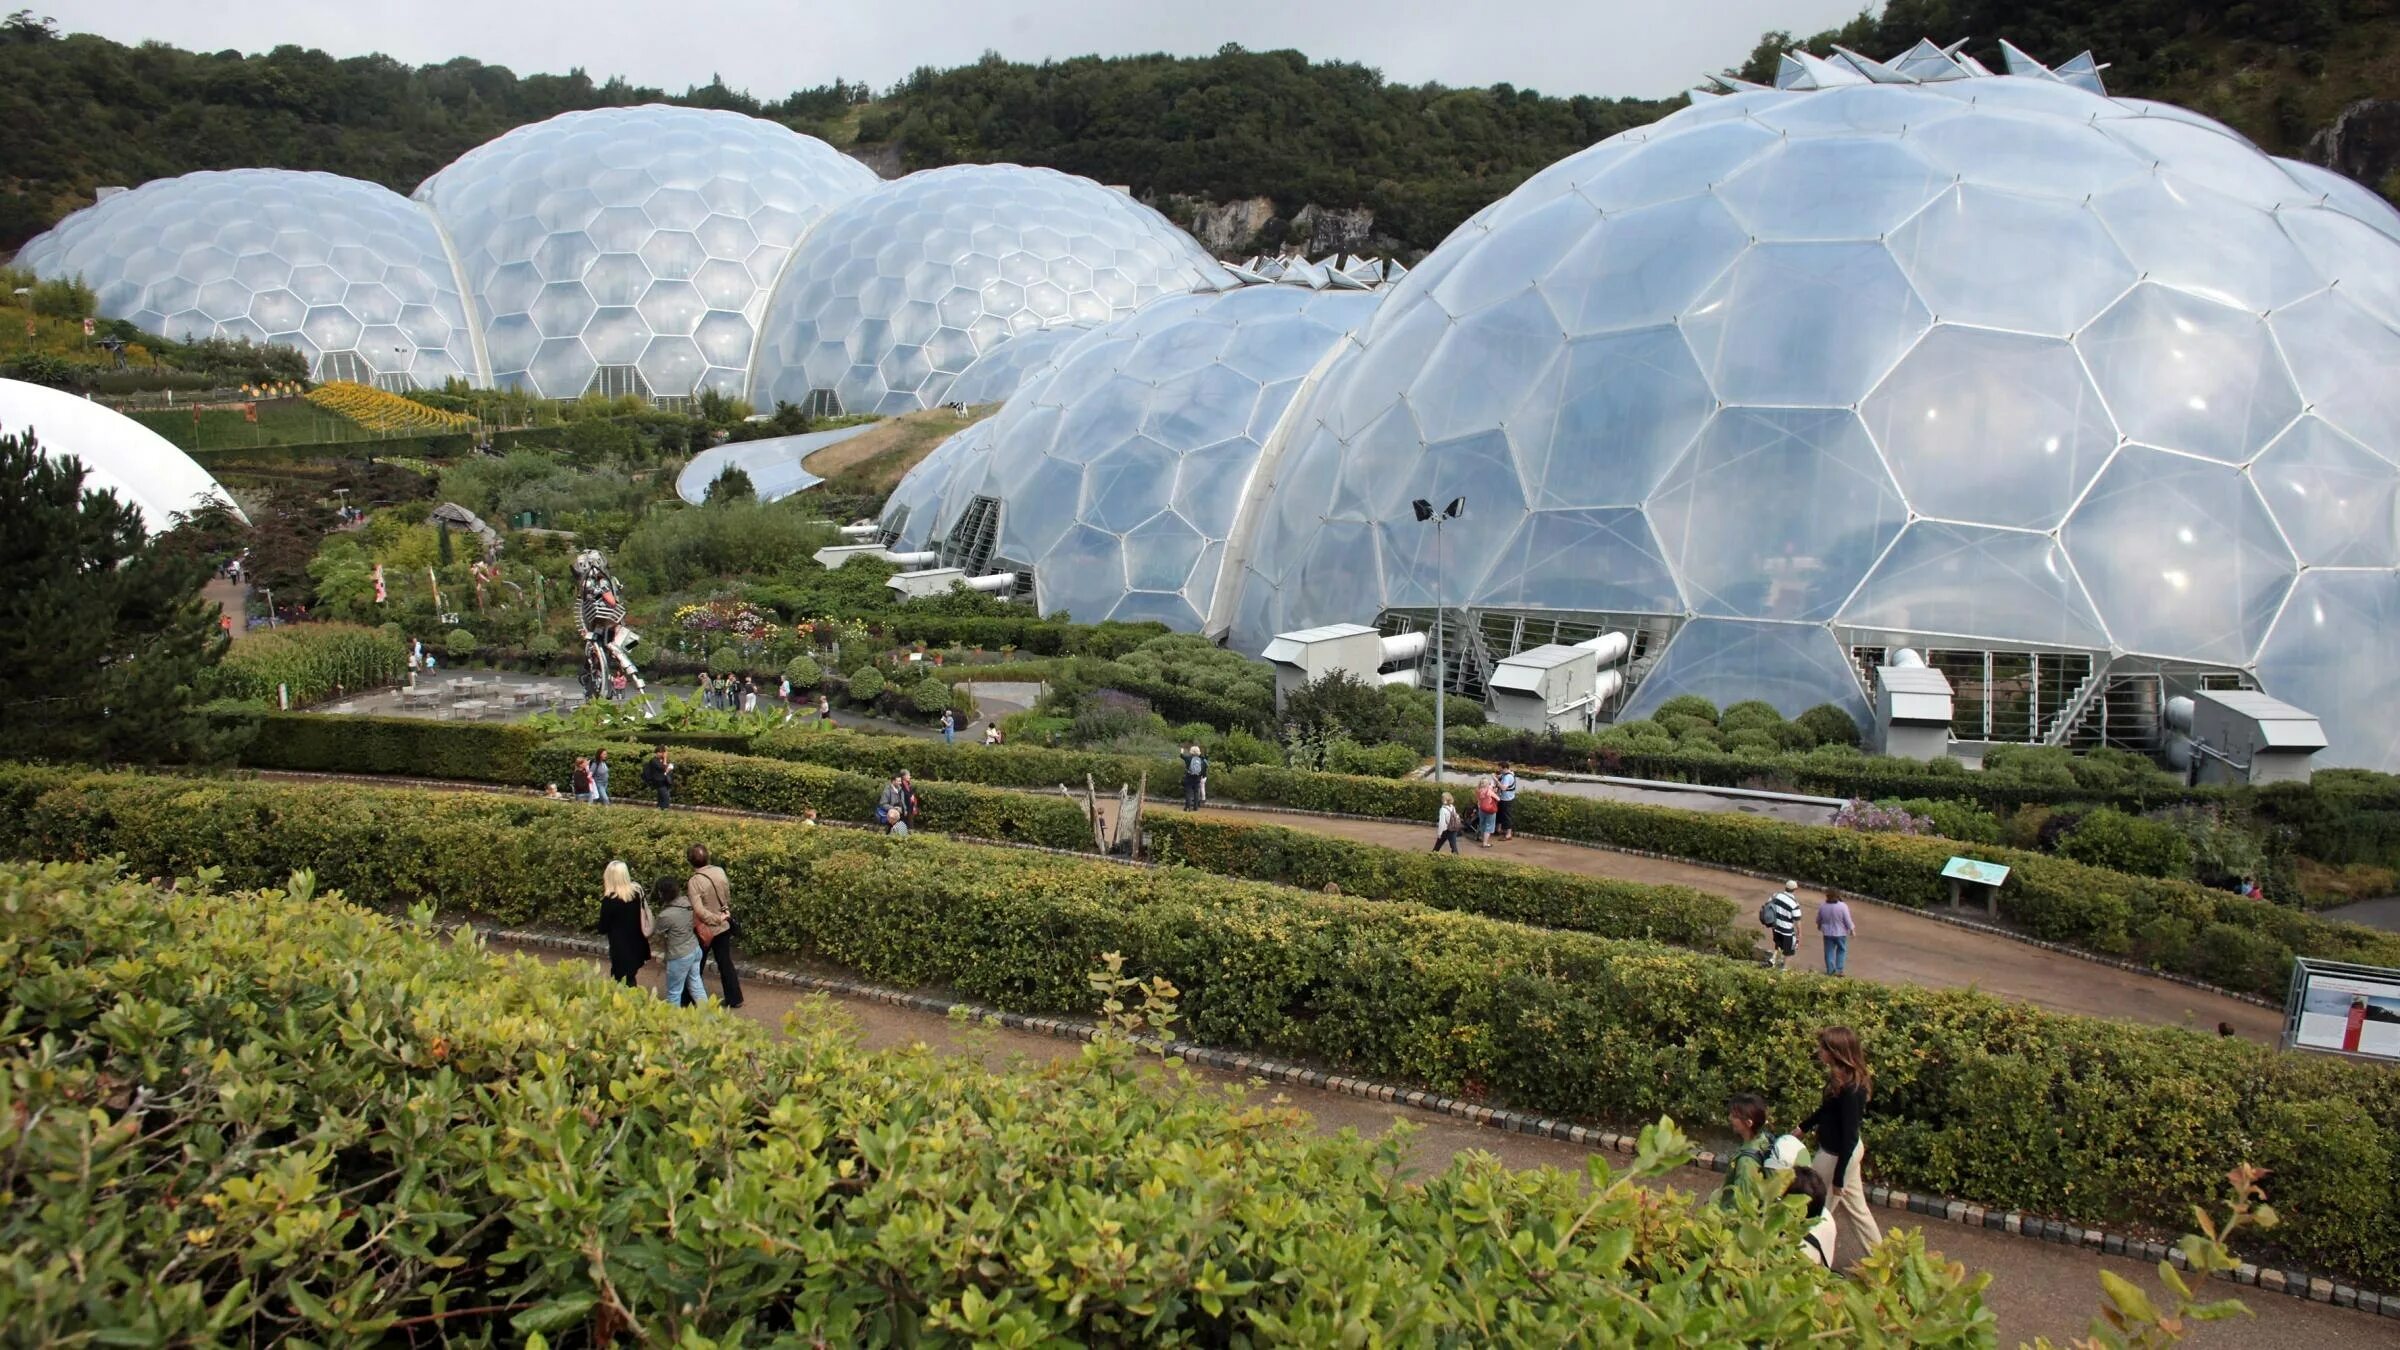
(1783, 914)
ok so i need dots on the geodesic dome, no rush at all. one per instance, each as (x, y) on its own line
(118, 454)
(623, 243)
(1899, 353)
(902, 289)
(1119, 469)
(351, 274)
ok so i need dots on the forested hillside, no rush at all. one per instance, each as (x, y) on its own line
(77, 112)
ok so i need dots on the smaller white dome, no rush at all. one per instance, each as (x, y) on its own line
(119, 454)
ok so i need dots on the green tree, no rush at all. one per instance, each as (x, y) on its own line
(65, 298)
(732, 485)
(104, 636)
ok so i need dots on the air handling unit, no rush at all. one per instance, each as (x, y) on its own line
(1556, 686)
(2241, 736)
(1350, 648)
(1912, 708)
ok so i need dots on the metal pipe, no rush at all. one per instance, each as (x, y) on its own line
(1612, 647)
(1403, 647)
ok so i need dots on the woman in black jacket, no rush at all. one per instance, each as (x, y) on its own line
(621, 924)
(1841, 1151)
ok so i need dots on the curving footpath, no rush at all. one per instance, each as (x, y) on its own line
(2037, 1288)
(1895, 945)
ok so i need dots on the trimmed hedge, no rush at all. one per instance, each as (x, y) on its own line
(1255, 852)
(2173, 925)
(352, 1129)
(748, 783)
(417, 747)
(2091, 1120)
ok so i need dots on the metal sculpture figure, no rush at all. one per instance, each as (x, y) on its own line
(600, 613)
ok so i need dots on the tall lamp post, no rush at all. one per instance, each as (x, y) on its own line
(1425, 512)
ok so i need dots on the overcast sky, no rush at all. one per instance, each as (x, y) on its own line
(1607, 47)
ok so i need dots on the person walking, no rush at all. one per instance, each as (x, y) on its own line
(1447, 825)
(1746, 1112)
(579, 780)
(949, 727)
(891, 809)
(625, 921)
(1487, 809)
(707, 700)
(659, 776)
(824, 709)
(1780, 916)
(673, 927)
(712, 913)
(1836, 925)
(1838, 1124)
(749, 695)
(1195, 776)
(1822, 1234)
(1506, 788)
(600, 778)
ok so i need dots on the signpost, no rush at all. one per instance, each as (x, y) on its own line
(1965, 872)
(2338, 1008)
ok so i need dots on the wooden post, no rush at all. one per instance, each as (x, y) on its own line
(1129, 828)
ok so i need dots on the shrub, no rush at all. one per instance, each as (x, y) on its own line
(459, 643)
(866, 684)
(313, 1137)
(542, 647)
(2083, 1118)
(2147, 848)
(1750, 715)
(1963, 821)
(804, 672)
(931, 696)
(1685, 705)
(1238, 747)
(1387, 760)
(1828, 725)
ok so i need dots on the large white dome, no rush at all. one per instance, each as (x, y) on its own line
(633, 241)
(901, 290)
(1905, 353)
(351, 274)
(118, 454)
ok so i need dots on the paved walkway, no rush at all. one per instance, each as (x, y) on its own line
(2037, 1288)
(1893, 945)
(232, 598)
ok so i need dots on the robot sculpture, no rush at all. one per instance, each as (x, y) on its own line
(600, 613)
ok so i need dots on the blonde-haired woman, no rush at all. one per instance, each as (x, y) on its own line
(624, 921)
(1839, 1126)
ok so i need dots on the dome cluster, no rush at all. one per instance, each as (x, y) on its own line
(635, 251)
(1896, 353)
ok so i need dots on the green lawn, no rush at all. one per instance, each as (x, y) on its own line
(283, 421)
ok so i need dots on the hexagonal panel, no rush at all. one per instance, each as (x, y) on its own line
(1581, 560)
(2339, 505)
(1833, 188)
(1613, 415)
(1805, 324)
(1643, 267)
(2189, 374)
(1977, 584)
(2187, 237)
(1991, 428)
(2345, 361)
(2180, 557)
(1776, 513)
(1793, 666)
(2032, 264)
(2335, 650)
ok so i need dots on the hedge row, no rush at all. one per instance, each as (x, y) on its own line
(742, 1181)
(2091, 1120)
(417, 748)
(2173, 925)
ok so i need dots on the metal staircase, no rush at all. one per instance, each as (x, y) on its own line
(2080, 703)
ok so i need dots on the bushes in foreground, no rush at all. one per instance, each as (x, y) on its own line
(275, 1117)
(2086, 1119)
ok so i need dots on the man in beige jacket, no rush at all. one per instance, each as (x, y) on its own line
(712, 913)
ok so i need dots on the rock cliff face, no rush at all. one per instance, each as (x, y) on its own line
(2363, 142)
(1333, 229)
(1222, 227)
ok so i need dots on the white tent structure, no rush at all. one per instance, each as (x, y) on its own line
(118, 453)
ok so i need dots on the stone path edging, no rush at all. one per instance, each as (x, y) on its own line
(2291, 1282)
(1954, 920)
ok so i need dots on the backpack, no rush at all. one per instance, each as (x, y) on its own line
(1766, 912)
(1196, 766)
